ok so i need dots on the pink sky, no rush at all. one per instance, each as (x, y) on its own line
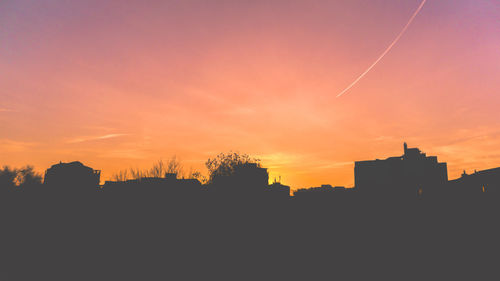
(125, 83)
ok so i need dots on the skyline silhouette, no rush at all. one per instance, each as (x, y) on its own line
(410, 222)
(410, 175)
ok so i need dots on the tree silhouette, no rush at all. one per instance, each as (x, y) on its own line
(8, 177)
(19, 178)
(197, 175)
(27, 177)
(225, 163)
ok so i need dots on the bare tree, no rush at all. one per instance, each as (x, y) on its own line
(136, 173)
(158, 170)
(121, 176)
(174, 166)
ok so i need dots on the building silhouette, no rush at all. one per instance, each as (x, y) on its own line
(279, 190)
(478, 184)
(154, 188)
(67, 175)
(412, 174)
(323, 190)
(247, 179)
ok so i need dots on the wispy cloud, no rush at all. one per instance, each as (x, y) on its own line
(8, 145)
(3, 109)
(92, 138)
(306, 161)
(335, 165)
(124, 154)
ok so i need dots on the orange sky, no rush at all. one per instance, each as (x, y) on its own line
(125, 83)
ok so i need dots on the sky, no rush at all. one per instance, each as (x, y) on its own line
(122, 84)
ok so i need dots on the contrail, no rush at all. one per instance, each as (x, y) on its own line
(386, 50)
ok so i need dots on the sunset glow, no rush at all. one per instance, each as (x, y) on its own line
(121, 84)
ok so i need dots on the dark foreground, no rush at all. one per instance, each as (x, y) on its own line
(105, 238)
